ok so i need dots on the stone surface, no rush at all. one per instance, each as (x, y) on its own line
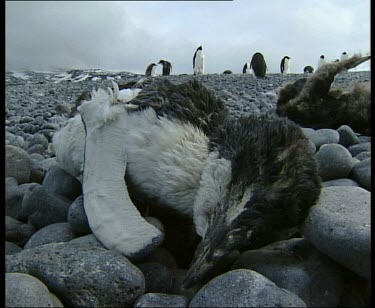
(11, 248)
(13, 197)
(158, 279)
(340, 182)
(81, 276)
(347, 136)
(339, 226)
(361, 173)
(297, 266)
(358, 148)
(22, 290)
(41, 209)
(161, 300)
(87, 241)
(18, 164)
(334, 161)
(77, 217)
(324, 136)
(244, 288)
(60, 182)
(54, 233)
(17, 232)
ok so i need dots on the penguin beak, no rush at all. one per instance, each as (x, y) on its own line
(205, 266)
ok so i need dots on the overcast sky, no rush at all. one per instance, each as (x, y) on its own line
(129, 35)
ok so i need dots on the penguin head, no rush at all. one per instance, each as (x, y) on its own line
(322, 57)
(161, 62)
(199, 48)
(344, 53)
(286, 57)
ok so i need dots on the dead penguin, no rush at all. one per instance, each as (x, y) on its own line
(311, 101)
(198, 61)
(258, 64)
(243, 182)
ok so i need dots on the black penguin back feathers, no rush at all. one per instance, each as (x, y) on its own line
(258, 64)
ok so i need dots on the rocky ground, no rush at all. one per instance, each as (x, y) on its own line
(53, 257)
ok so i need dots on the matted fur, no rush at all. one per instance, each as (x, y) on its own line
(311, 101)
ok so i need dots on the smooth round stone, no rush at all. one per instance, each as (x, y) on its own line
(361, 173)
(77, 217)
(26, 119)
(158, 279)
(36, 148)
(92, 277)
(39, 139)
(363, 155)
(324, 136)
(87, 240)
(162, 256)
(37, 157)
(28, 128)
(339, 226)
(347, 136)
(60, 182)
(334, 161)
(22, 290)
(13, 197)
(49, 163)
(297, 266)
(18, 164)
(54, 233)
(358, 148)
(244, 288)
(41, 209)
(340, 182)
(17, 232)
(161, 300)
(363, 139)
(56, 301)
(11, 248)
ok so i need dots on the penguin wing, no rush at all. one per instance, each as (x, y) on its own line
(244, 69)
(282, 66)
(195, 54)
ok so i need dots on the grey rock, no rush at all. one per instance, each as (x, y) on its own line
(17, 232)
(54, 233)
(361, 173)
(178, 275)
(339, 226)
(60, 182)
(158, 279)
(363, 155)
(297, 266)
(340, 182)
(22, 290)
(37, 157)
(39, 139)
(324, 136)
(13, 198)
(81, 276)
(161, 300)
(36, 148)
(77, 217)
(244, 288)
(155, 222)
(311, 147)
(88, 241)
(37, 173)
(56, 302)
(334, 161)
(358, 148)
(42, 209)
(11, 248)
(163, 256)
(48, 163)
(26, 119)
(347, 136)
(363, 139)
(18, 164)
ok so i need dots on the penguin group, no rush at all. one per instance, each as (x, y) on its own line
(256, 67)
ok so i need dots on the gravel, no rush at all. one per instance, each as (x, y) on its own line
(81, 272)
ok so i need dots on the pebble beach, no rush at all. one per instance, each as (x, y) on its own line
(53, 257)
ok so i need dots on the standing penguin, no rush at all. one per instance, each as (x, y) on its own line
(284, 65)
(344, 56)
(321, 61)
(167, 67)
(258, 65)
(198, 61)
(246, 68)
(151, 70)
